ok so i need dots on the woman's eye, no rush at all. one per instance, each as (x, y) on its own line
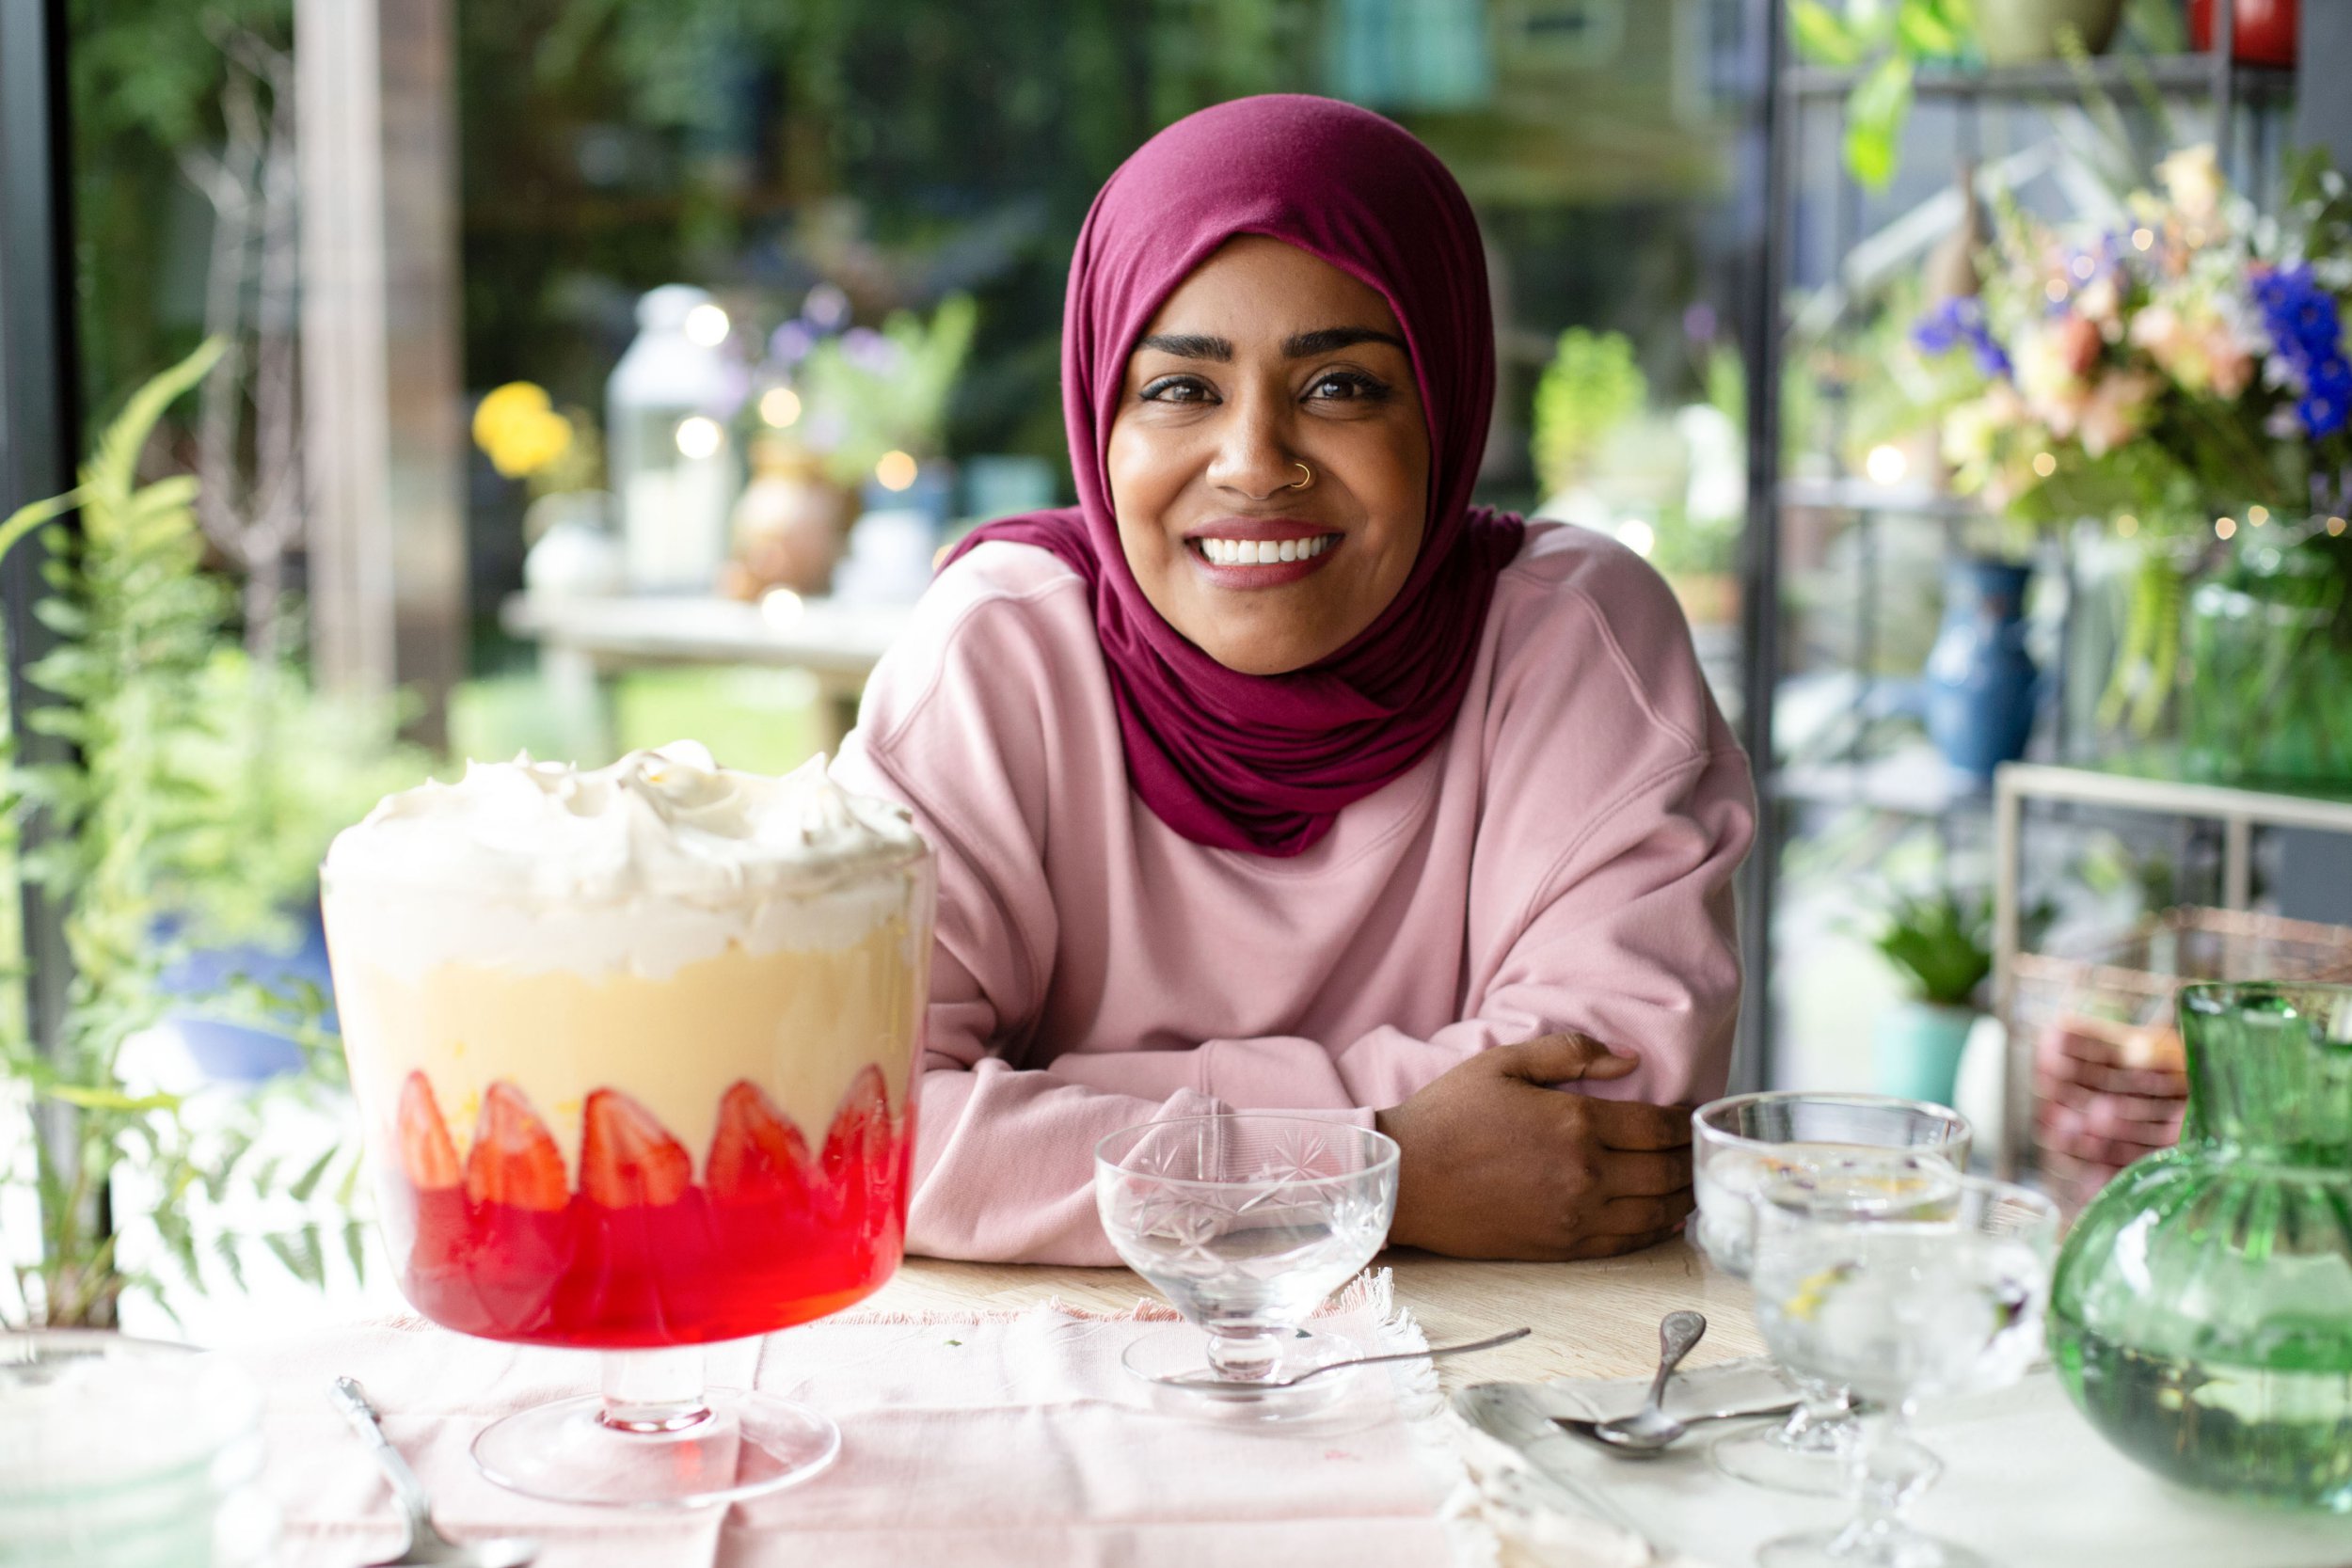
(1347, 386)
(1176, 388)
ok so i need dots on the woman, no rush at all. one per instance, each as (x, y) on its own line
(1276, 776)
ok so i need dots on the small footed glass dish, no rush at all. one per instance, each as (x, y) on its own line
(1245, 1224)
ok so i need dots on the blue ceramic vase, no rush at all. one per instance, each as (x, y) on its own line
(1980, 683)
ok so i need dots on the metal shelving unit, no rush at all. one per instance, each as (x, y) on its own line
(1906, 783)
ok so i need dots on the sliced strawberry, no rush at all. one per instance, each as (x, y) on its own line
(756, 1153)
(426, 1155)
(513, 1160)
(626, 1158)
(857, 1148)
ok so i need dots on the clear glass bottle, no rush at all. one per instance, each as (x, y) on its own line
(2201, 1316)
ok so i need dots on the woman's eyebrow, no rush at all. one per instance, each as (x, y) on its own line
(1330, 340)
(1190, 346)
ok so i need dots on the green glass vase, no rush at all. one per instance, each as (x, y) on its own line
(2266, 661)
(2201, 1314)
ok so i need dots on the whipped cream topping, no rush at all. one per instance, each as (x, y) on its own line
(659, 860)
(668, 824)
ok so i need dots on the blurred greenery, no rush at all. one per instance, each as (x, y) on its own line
(176, 813)
(760, 719)
(144, 78)
(1885, 42)
(910, 151)
(1591, 386)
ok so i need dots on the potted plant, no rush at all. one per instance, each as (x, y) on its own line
(1940, 944)
(148, 829)
(876, 404)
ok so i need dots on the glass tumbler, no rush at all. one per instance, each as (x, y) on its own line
(1900, 1303)
(1740, 1144)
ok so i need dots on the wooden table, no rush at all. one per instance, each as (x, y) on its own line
(1591, 1319)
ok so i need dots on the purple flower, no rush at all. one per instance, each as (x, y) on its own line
(2326, 400)
(2306, 334)
(870, 350)
(790, 343)
(1962, 321)
(826, 309)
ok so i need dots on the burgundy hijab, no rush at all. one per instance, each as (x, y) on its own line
(1265, 764)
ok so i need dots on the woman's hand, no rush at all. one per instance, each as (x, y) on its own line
(1497, 1164)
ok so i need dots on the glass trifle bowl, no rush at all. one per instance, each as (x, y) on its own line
(633, 1050)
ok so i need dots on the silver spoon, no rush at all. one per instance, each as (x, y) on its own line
(1222, 1386)
(1584, 1429)
(427, 1547)
(1650, 1429)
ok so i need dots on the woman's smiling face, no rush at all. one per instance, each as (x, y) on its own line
(1263, 359)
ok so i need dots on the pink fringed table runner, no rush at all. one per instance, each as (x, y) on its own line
(986, 1438)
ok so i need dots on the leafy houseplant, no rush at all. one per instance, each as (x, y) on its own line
(152, 837)
(1886, 42)
(1940, 943)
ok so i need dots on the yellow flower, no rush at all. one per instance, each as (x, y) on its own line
(520, 430)
(501, 407)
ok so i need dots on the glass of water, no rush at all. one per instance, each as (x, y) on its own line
(1738, 1145)
(1900, 1303)
(1245, 1223)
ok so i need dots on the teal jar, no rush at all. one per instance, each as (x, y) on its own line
(2202, 1313)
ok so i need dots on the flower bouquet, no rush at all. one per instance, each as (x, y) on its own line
(2181, 375)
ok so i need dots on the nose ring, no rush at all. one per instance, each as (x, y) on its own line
(1301, 483)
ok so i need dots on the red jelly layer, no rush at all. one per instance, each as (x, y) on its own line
(766, 1250)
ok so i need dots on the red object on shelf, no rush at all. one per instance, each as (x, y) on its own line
(2267, 30)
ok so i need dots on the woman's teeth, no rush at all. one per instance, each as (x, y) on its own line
(1260, 552)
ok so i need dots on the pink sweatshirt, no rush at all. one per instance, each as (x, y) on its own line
(1561, 862)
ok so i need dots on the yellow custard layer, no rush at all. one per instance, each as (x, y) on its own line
(799, 1023)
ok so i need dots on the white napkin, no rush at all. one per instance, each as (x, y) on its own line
(969, 1440)
(2027, 1483)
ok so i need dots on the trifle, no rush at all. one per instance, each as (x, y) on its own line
(633, 1048)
